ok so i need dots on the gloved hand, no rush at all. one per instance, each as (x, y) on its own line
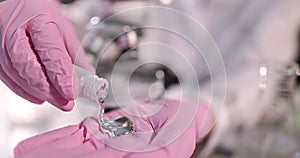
(149, 139)
(37, 52)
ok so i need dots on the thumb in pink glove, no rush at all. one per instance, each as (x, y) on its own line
(149, 139)
(37, 52)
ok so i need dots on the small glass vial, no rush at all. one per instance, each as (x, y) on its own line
(92, 87)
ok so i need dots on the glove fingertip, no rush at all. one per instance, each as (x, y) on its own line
(68, 107)
(58, 101)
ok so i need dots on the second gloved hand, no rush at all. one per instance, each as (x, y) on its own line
(154, 136)
(37, 52)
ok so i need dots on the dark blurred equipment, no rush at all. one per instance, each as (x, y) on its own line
(67, 1)
(170, 77)
(298, 57)
(222, 152)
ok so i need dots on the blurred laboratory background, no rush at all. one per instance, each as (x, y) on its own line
(256, 94)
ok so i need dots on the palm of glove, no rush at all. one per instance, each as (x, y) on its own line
(149, 139)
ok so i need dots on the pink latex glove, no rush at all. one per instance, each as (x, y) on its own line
(154, 136)
(37, 52)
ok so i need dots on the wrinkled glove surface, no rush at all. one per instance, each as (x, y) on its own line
(37, 52)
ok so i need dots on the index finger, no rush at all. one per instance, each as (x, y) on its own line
(49, 46)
